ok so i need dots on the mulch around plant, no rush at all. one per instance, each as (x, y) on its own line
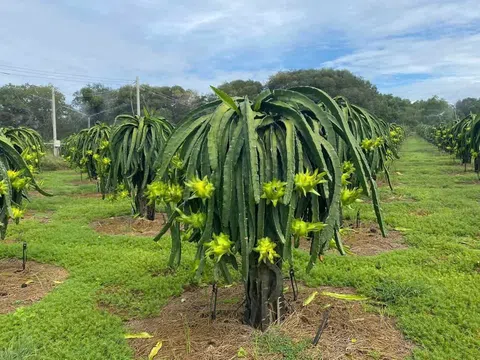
(21, 288)
(187, 331)
(127, 225)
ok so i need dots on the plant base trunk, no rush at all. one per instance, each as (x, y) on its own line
(143, 208)
(265, 303)
(150, 212)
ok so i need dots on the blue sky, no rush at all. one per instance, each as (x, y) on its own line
(411, 48)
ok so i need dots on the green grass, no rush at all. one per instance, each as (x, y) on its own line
(433, 288)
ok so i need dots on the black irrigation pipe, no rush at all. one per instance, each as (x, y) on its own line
(24, 256)
(293, 280)
(322, 326)
(213, 301)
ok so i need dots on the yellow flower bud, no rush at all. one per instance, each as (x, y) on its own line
(266, 249)
(273, 191)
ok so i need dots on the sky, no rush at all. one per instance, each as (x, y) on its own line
(410, 48)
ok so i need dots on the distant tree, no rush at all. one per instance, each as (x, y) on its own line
(466, 106)
(334, 82)
(250, 88)
(391, 108)
(435, 110)
(172, 103)
(96, 100)
(31, 106)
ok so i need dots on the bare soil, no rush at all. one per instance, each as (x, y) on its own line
(397, 197)
(21, 288)
(95, 195)
(84, 181)
(42, 217)
(366, 240)
(187, 331)
(127, 225)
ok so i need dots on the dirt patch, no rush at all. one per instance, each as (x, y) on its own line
(396, 197)
(82, 182)
(367, 240)
(21, 288)
(420, 212)
(127, 225)
(187, 331)
(95, 195)
(42, 217)
(468, 182)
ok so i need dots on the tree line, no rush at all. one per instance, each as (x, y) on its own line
(30, 105)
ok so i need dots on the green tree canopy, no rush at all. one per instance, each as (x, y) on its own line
(31, 106)
(466, 106)
(248, 88)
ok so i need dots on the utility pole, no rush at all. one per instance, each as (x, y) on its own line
(138, 96)
(54, 125)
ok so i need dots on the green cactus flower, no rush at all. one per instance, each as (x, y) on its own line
(12, 174)
(106, 161)
(273, 191)
(177, 162)
(301, 228)
(219, 246)
(202, 189)
(20, 183)
(104, 144)
(266, 249)
(368, 144)
(305, 182)
(378, 142)
(17, 213)
(347, 167)
(195, 220)
(123, 194)
(349, 196)
(156, 191)
(173, 194)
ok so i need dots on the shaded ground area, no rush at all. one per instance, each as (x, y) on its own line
(127, 225)
(187, 332)
(20, 288)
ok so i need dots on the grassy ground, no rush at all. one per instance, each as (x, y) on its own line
(433, 288)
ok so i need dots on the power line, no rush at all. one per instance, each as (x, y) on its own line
(72, 108)
(109, 109)
(111, 91)
(97, 113)
(161, 95)
(55, 73)
(60, 78)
